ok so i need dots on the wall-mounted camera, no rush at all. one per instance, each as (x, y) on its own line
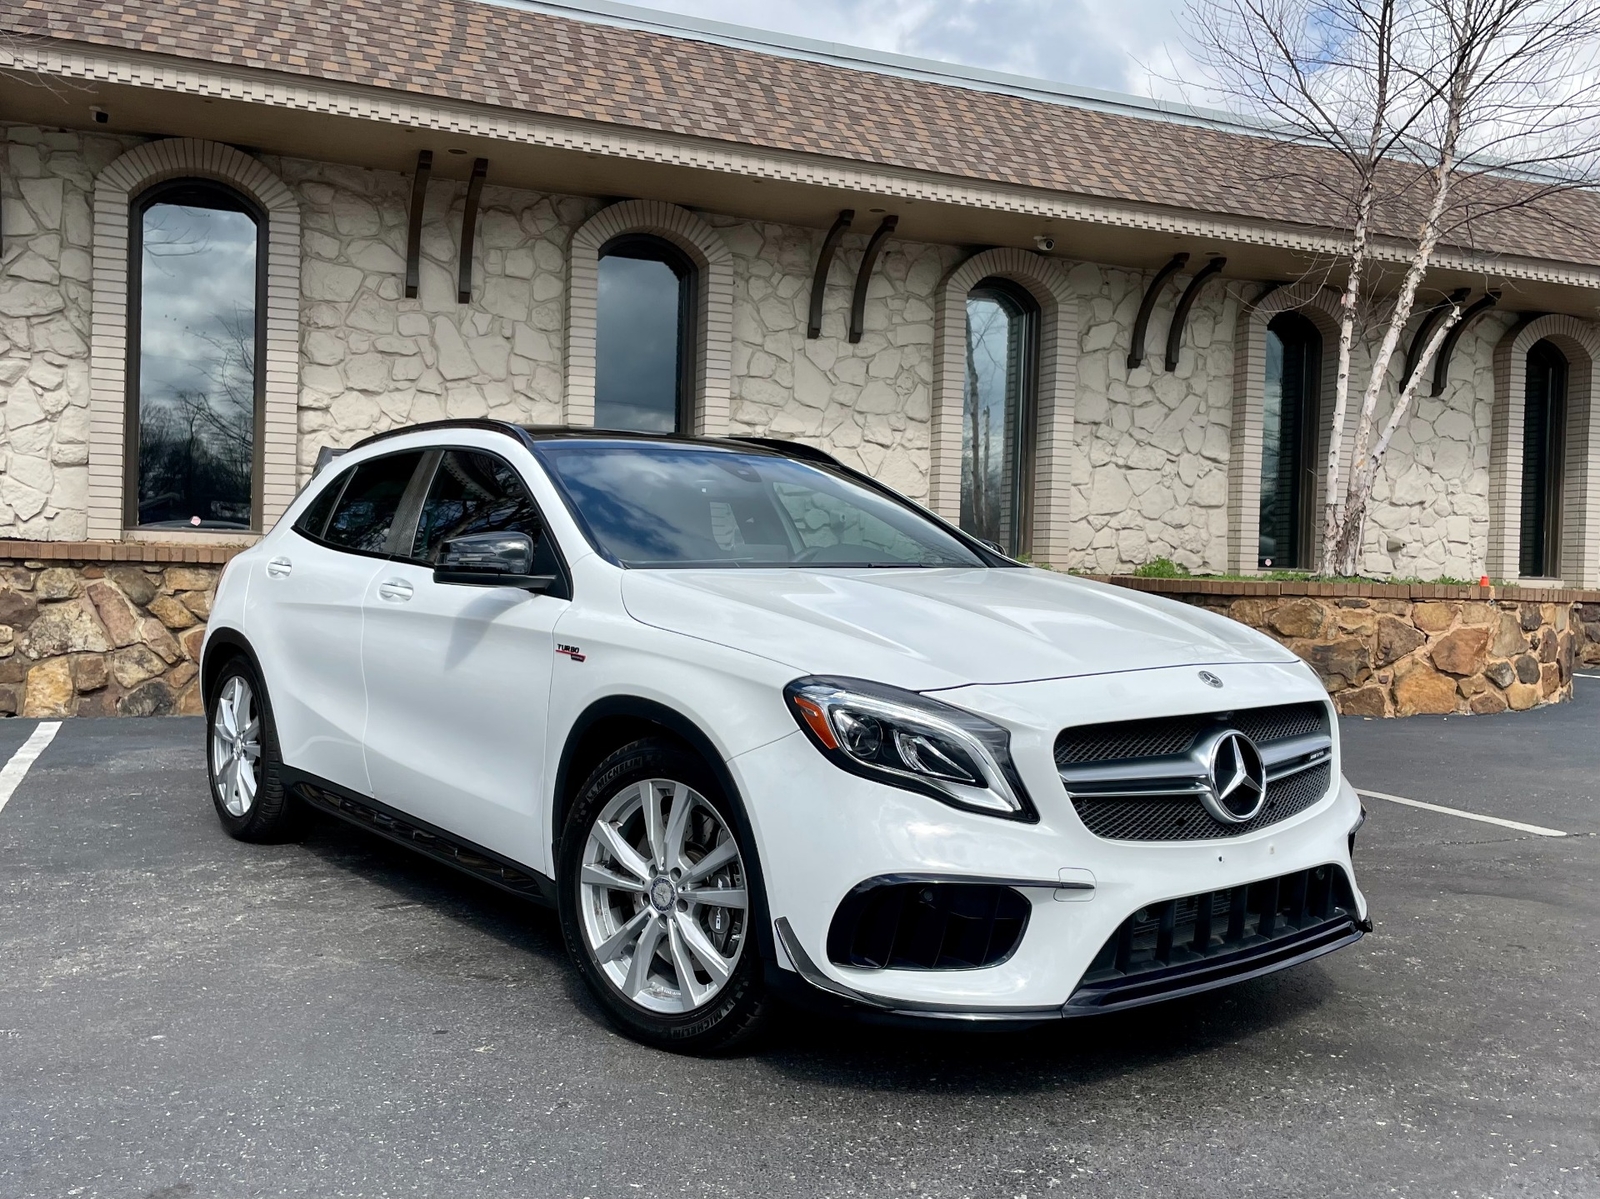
(101, 116)
(1045, 242)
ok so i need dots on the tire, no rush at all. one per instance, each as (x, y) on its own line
(246, 786)
(676, 889)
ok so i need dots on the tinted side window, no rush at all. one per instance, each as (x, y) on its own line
(478, 493)
(367, 507)
(315, 518)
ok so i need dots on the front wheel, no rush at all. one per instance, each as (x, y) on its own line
(242, 757)
(656, 903)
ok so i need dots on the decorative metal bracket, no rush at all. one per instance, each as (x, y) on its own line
(1180, 315)
(469, 229)
(419, 196)
(858, 305)
(819, 280)
(1441, 368)
(1425, 330)
(1147, 305)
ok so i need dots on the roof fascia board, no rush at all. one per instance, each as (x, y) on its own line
(367, 102)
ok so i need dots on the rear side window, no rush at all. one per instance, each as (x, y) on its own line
(367, 508)
(315, 518)
(478, 493)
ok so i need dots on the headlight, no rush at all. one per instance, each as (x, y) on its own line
(911, 741)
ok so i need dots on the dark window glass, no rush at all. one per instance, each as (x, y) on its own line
(1289, 442)
(684, 505)
(194, 357)
(1543, 440)
(367, 507)
(479, 493)
(997, 413)
(643, 353)
(315, 518)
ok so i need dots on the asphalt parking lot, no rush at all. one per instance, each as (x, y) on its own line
(184, 1015)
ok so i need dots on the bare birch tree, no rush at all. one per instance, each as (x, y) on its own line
(1424, 122)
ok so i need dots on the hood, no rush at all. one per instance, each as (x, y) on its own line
(928, 629)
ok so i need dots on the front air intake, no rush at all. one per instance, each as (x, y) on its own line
(894, 925)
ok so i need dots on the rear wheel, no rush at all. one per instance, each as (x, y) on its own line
(242, 759)
(656, 903)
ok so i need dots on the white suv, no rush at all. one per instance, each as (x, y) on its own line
(755, 724)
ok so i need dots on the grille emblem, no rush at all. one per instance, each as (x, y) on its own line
(1236, 778)
(1209, 679)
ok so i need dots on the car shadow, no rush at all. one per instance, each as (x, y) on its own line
(809, 1047)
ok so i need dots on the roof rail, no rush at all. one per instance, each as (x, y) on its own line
(795, 449)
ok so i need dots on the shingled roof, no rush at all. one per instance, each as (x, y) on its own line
(535, 62)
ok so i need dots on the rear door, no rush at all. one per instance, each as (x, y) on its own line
(458, 677)
(304, 617)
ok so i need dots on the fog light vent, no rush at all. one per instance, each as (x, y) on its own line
(886, 924)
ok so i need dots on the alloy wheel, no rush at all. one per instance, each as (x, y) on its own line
(663, 896)
(236, 747)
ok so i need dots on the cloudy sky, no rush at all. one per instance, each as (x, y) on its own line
(1123, 45)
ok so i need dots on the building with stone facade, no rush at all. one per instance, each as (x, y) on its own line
(1082, 325)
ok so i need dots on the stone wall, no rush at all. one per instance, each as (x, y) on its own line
(1407, 651)
(1151, 448)
(46, 186)
(96, 638)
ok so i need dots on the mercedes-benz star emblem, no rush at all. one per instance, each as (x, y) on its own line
(1209, 679)
(1236, 778)
(662, 894)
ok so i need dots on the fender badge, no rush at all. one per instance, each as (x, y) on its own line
(573, 652)
(1209, 679)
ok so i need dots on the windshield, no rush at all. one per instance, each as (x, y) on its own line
(664, 505)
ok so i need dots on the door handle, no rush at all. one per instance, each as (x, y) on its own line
(279, 568)
(397, 590)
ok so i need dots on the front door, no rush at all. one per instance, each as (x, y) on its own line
(303, 615)
(458, 677)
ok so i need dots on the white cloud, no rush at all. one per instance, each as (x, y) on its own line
(1127, 46)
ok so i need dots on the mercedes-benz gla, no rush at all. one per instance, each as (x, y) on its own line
(758, 726)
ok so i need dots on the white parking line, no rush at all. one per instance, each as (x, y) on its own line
(17, 767)
(1536, 829)
(1576, 675)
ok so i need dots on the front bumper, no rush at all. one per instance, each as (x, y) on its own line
(821, 832)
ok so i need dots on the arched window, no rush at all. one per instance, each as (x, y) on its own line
(1544, 424)
(998, 413)
(195, 344)
(644, 336)
(1289, 443)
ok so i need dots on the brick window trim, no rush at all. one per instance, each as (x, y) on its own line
(114, 188)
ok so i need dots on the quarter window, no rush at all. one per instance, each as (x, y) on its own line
(1288, 442)
(195, 348)
(997, 413)
(478, 493)
(644, 344)
(367, 507)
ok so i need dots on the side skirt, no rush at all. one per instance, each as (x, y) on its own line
(377, 817)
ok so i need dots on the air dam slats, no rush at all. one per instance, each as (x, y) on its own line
(1179, 945)
(889, 925)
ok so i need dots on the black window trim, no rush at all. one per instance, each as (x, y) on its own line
(651, 247)
(1025, 444)
(133, 341)
(410, 512)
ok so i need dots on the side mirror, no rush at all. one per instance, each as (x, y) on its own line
(490, 560)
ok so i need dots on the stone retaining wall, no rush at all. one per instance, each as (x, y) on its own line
(99, 629)
(92, 635)
(1395, 650)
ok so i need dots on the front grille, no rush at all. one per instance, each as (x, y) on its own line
(1132, 739)
(1186, 820)
(1091, 759)
(886, 924)
(1201, 941)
